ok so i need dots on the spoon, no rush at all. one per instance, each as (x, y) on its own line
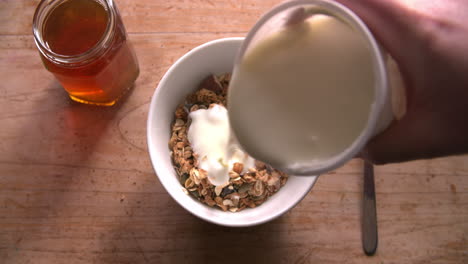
(369, 214)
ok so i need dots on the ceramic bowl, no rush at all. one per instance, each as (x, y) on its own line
(182, 78)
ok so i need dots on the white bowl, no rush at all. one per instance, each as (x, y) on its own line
(214, 57)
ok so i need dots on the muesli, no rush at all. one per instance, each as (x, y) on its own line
(246, 188)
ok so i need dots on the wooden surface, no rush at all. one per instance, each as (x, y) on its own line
(77, 186)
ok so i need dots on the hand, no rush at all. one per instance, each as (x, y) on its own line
(430, 45)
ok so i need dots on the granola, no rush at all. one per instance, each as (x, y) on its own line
(244, 189)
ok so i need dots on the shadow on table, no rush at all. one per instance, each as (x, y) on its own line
(63, 138)
(217, 244)
(60, 131)
(191, 240)
(188, 239)
(55, 142)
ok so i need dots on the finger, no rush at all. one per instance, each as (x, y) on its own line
(390, 22)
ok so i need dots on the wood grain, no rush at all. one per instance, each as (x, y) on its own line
(156, 16)
(77, 186)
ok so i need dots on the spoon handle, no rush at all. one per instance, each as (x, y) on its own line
(369, 214)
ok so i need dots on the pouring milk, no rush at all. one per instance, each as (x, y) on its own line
(303, 95)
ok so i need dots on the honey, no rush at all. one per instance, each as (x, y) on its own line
(84, 44)
(75, 26)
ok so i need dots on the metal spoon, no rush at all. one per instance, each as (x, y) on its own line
(369, 214)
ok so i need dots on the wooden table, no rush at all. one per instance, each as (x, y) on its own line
(77, 186)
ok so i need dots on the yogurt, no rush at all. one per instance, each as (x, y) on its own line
(211, 137)
(303, 95)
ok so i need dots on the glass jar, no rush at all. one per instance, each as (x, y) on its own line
(85, 45)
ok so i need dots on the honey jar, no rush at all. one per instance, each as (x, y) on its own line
(84, 44)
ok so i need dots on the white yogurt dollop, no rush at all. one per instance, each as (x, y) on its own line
(211, 138)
